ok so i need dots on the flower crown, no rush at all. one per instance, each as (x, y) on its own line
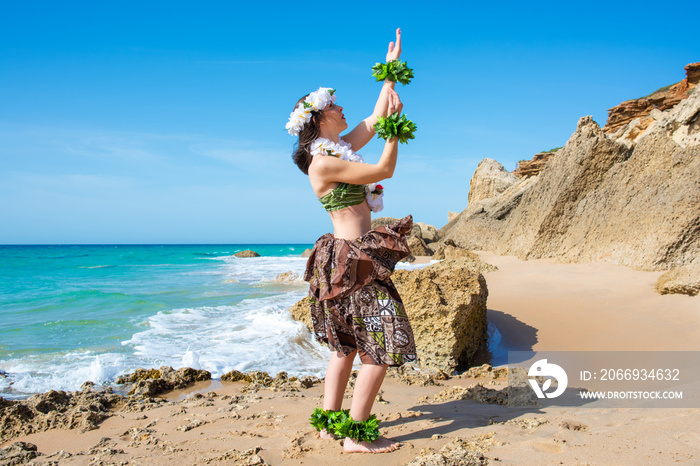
(314, 102)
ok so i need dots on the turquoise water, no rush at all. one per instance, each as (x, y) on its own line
(74, 313)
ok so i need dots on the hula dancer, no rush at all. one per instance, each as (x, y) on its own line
(355, 308)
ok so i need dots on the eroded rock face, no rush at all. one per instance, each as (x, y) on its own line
(481, 224)
(418, 247)
(448, 250)
(629, 199)
(152, 382)
(662, 99)
(82, 410)
(446, 303)
(533, 167)
(683, 280)
(489, 180)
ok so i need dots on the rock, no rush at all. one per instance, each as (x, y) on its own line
(289, 277)
(247, 253)
(418, 247)
(383, 222)
(662, 99)
(533, 167)
(682, 280)
(152, 382)
(448, 250)
(458, 452)
(306, 253)
(82, 410)
(446, 303)
(18, 453)
(481, 224)
(300, 312)
(602, 197)
(489, 180)
(427, 233)
(451, 216)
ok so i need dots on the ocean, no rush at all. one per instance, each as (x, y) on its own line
(69, 314)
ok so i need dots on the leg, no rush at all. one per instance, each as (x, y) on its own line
(367, 385)
(337, 376)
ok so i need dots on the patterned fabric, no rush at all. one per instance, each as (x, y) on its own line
(344, 195)
(354, 304)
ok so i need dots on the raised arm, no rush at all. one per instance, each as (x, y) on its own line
(363, 132)
(330, 169)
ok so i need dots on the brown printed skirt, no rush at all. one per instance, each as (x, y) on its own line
(354, 304)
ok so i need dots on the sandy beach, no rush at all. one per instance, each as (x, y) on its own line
(536, 305)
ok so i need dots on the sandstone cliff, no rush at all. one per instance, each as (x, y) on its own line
(631, 198)
(662, 99)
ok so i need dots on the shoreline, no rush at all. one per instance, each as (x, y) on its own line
(536, 305)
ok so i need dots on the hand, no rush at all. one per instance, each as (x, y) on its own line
(395, 105)
(394, 49)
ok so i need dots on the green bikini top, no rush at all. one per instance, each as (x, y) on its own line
(344, 195)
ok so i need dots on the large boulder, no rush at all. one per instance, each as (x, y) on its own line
(448, 250)
(489, 180)
(446, 303)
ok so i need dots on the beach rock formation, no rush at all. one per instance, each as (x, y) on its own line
(630, 198)
(533, 167)
(151, 382)
(82, 410)
(289, 277)
(247, 253)
(426, 232)
(662, 99)
(418, 247)
(448, 250)
(446, 303)
(18, 453)
(306, 253)
(489, 180)
(683, 280)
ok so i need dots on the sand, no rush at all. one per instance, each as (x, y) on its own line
(536, 305)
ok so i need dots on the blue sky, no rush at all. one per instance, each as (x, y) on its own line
(163, 122)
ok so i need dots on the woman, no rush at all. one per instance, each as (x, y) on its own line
(355, 307)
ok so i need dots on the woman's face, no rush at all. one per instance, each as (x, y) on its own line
(333, 118)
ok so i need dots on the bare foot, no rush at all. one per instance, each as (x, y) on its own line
(381, 445)
(325, 435)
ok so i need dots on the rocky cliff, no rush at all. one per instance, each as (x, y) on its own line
(662, 99)
(631, 197)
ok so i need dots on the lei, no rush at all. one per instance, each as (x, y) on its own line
(374, 193)
(314, 102)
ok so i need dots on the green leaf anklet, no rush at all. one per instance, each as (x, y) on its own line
(394, 70)
(365, 431)
(340, 424)
(326, 418)
(394, 126)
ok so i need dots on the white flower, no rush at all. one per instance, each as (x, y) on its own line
(318, 100)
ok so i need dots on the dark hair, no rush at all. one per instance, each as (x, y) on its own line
(302, 153)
